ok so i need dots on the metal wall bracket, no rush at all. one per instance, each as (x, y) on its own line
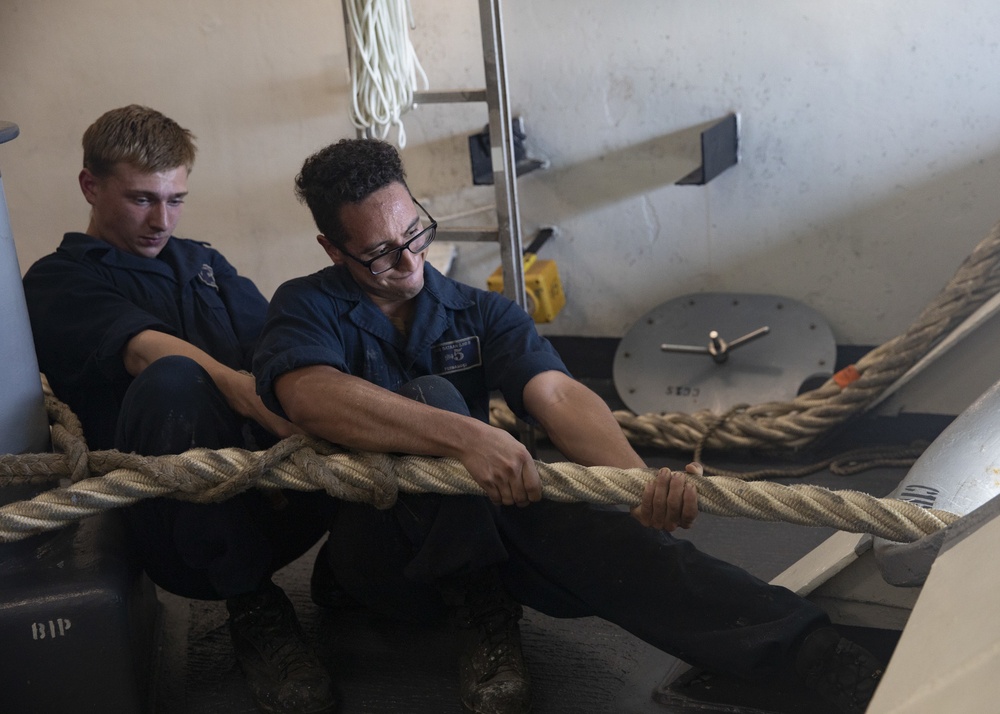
(719, 151)
(8, 131)
(482, 161)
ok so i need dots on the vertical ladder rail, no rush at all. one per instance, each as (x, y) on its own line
(504, 171)
(497, 99)
(496, 96)
(502, 152)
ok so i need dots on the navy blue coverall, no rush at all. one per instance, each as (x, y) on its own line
(85, 302)
(565, 560)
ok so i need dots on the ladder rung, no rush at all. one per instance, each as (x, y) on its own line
(453, 97)
(469, 235)
(8, 131)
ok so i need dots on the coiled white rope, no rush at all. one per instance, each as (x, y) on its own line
(384, 66)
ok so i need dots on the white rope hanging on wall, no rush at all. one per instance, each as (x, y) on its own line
(384, 67)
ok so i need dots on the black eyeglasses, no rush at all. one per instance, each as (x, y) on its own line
(387, 261)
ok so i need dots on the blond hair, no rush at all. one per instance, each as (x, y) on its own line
(139, 136)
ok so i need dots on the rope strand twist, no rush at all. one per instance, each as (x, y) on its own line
(111, 479)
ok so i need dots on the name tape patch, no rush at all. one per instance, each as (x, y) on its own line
(456, 355)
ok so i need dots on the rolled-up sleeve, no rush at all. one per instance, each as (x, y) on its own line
(515, 352)
(80, 321)
(300, 331)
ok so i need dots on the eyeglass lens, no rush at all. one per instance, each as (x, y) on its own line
(418, 243)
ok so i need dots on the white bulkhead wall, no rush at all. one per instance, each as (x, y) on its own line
(870, 147)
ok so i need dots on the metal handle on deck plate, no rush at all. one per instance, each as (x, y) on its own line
(717, 347)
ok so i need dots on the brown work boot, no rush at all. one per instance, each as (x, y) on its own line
(281, 670)
(493, 678)
(840, 671)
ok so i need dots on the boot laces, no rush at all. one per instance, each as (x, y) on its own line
(276, 637)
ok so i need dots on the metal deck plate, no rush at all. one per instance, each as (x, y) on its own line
(798, 347)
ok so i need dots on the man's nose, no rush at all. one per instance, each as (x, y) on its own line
(411, 258)
(159, 216)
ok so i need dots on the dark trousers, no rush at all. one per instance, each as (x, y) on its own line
(567, 560)
(217, 550)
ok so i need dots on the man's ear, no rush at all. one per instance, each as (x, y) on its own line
(89, 184)
(331, 250)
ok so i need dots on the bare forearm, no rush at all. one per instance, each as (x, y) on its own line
(591, 436)
(585, 431)
(579, 423)
(237, 387)
(357, 414)
(150, 345)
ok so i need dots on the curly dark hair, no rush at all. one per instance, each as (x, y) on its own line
(342, 173)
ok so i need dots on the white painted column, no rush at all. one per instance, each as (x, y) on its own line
(23, 422)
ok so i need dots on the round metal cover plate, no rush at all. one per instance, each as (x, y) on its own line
(798, 346)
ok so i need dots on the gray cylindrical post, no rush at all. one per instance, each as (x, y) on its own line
(23, 423)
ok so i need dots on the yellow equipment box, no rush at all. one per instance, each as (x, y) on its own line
(541, 285)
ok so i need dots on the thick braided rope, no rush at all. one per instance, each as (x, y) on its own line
(842, 464)
(203, 475)
(111, 479)
(206, 475)
(797, 423)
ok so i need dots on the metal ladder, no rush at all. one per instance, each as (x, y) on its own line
(508, 233)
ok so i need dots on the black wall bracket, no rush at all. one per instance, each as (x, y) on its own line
(8, 131)
(482, 163)
(719, 151)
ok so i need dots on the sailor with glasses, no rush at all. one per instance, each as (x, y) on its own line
(380, 352)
